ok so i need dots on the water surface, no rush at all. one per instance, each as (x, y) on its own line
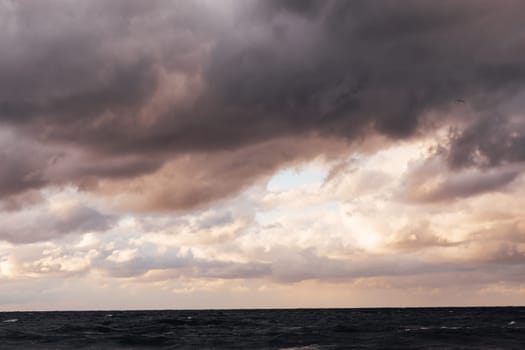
(420, 328)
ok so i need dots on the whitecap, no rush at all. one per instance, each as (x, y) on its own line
(416, 329)
(11, 320)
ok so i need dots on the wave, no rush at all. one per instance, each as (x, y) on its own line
(10, 320)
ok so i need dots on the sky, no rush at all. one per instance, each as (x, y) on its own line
(252, 154)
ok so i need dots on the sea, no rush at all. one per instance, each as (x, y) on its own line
(306, 329)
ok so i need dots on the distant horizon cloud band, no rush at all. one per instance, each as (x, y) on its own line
(283, 153)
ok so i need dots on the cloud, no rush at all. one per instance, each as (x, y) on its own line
(47, 221)
(188, 181)
(418, 236)
(22, 165)
(492, 142)
(122, 121)
(365, 243)
(430, 180)
(135, 88)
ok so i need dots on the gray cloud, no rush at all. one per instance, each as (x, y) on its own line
(417, 237)
(41, 223)
(189, 181)
(22, 165)
(491, 142)
(139, 85)
(430, 181)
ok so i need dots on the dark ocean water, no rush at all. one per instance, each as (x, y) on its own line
(432, 328)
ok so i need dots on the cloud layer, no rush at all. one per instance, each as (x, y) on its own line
(142, 145)
(133, 87)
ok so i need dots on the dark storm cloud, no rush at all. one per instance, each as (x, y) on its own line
(356, 64)
(152, 81)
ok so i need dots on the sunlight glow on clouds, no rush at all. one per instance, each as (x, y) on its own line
(350, 223)
(261, 154)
